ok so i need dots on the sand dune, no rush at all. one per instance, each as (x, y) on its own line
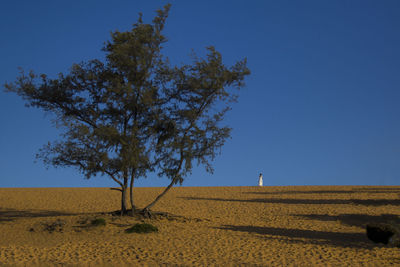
(214, 226)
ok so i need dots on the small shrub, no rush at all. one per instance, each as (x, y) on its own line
(54, 226)
(99, 222)
(142, 228)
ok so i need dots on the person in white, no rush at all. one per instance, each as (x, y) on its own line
(260, 180)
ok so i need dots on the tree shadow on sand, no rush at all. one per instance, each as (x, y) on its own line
(295, 201)
(368, 190)
(13, 214)
(358, 220)
(378, 189)
(338, 239)
(295, 192)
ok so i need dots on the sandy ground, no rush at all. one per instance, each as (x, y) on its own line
(216, 226)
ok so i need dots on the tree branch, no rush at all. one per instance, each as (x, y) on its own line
(116, 189)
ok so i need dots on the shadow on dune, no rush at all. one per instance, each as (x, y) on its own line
(12, 214)
(358, 220)
(295, 192)
(311, 237)
(378, 189)
(295, 201)
(370, 190)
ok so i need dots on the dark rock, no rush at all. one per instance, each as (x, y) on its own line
(384, 233)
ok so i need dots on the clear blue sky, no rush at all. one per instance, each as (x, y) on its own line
(321, 107)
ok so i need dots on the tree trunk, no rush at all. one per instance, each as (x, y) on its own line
(146, 210)
(131, 196)
(123, 200)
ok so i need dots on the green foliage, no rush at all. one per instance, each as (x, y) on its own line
(98, 222)
(135, 113)
(142, 228)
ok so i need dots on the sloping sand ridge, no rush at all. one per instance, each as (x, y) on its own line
(213, 226)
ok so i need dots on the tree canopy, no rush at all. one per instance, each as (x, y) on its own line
(135, 113)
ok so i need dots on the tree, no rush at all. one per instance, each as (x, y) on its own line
(194, 107)
(135, 113)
